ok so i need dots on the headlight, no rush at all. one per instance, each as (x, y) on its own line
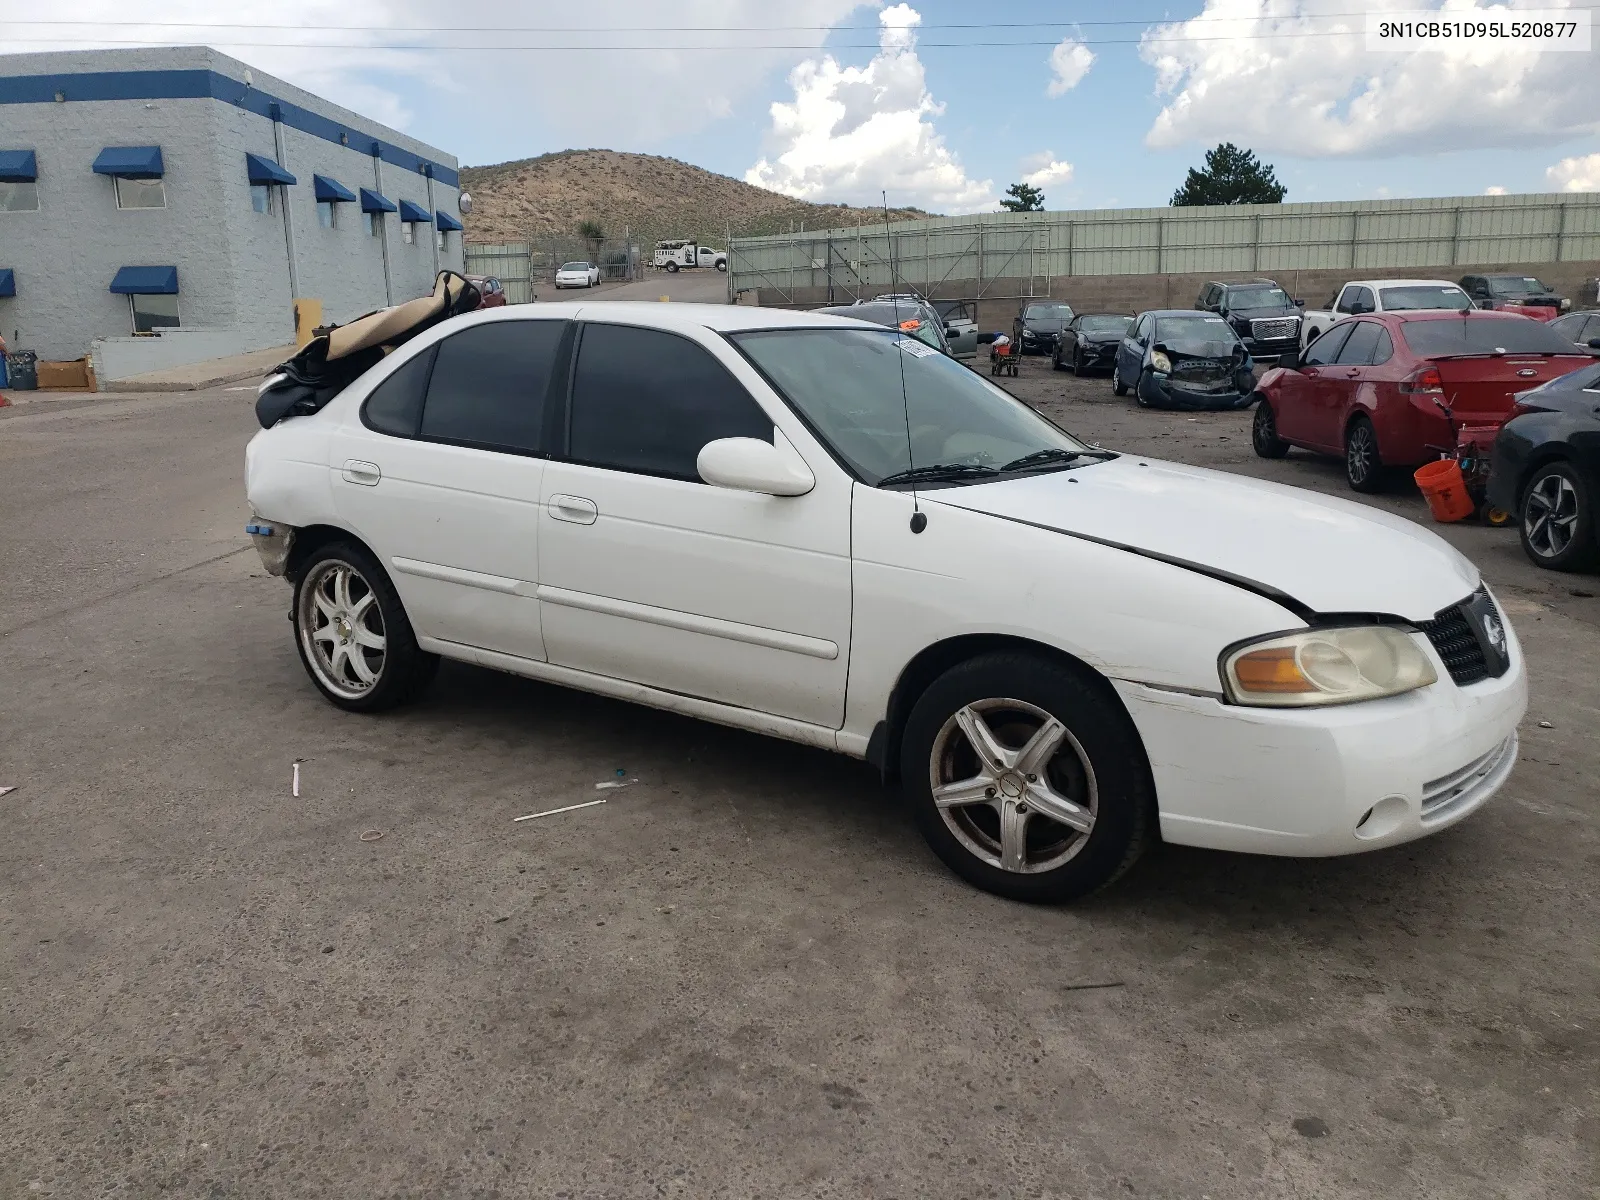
(1160, 362)
(1326, 666)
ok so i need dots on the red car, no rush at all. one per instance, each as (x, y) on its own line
(491, 289)
(1371, 389)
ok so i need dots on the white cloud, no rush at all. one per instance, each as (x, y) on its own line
(1069, 63)
(1494, 189)
(516, 98)
(852, 132)
(1576, 174)
(1043, 169)
(1273, 75)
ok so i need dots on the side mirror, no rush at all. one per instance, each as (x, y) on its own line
(1298, 303)
(751, 465)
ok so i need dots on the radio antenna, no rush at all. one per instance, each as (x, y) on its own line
(919, 519)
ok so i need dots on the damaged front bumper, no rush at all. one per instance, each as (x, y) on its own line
(1161, 391)
(273, 542)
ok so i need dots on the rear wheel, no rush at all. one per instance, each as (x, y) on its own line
(1027, 778)
(1264, 431)
(672, 268)
(1558, 519)
(352, 632)
(1363, 467)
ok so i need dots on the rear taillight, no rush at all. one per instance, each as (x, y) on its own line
(1426, 381)
(1522, 407)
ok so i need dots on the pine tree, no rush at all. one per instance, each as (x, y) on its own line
(1232, 176)
(1024, 197)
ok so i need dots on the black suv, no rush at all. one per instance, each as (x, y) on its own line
(1260, 312)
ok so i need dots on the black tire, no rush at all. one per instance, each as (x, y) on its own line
(672, 268)
(1264, 431)
(404, 669)
(1138, 392)
(1118, 388)
(722, 265)
(1363, 465)
(1100, 766)
(1055, 360)
(1556, 503)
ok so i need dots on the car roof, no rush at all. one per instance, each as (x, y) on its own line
(1401, 283)
(1449, 314)
(1227, 283)
(721, 318)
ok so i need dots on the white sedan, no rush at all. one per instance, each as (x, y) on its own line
(828, 532)
(577, 275)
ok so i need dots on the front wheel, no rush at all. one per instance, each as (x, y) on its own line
(1138, 392)
(1363, 466)
(1118, 388)
(1558, 519)
(1027, 778)
(354, 637)
(1264, 431)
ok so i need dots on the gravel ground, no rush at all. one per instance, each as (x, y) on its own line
(745, 975)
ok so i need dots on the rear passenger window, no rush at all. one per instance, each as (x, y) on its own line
(1385, 348)
(1358, 347)
(647, 401)
(395, 405)
(488, 385)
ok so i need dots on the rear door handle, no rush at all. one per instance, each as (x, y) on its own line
(575, 509)
(1352, 373)
(361, 472)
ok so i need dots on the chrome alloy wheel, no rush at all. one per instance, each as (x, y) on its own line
(1550, 515)
(1013, 785)
(1360, 453)
(341, 629)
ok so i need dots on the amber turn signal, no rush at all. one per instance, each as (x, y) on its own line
(1272, 671)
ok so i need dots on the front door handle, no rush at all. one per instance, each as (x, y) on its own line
(575, 509)
(361, 472)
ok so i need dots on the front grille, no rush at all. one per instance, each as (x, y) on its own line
(1462, 788)
(1453, 637)
(1274, 329)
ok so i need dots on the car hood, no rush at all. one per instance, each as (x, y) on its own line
(1313, 552)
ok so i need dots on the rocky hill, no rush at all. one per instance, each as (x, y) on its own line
(653, 198)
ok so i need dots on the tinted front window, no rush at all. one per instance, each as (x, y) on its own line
(488, 385)
(1401, 299)
(395, 406)
(1258, 297)
(1196, 335)
(648, 401)
(1484, 335)
(1326, 348)
(847, 385)
(1360, 345)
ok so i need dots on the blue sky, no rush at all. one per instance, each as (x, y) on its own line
(870, 99)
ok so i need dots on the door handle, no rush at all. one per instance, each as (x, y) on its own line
(575, 509)
(361, 472)
(1351, 373)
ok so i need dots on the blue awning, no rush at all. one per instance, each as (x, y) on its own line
(17, 165)
(414, 212)
(262, 169)
(331, 189)
(131, 162)
(8, 282)
(447, 223)
(146, 281)
(371, 201)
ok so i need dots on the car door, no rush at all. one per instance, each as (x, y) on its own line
(440, 473)
(650, 575)
(1067, 343)
(1300, 391)
(1130, 354)
(1343, 383)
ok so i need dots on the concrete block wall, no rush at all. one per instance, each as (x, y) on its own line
(232, 261)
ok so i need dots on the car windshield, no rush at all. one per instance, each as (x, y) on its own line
(847, 386)
(1404, 299)
(1258, 297)
(1196, 335)
(1484, 335)
(574, 266)
(1517, 285)
(1048, 312)
(1104, 324)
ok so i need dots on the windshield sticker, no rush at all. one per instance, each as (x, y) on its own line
(915, 348)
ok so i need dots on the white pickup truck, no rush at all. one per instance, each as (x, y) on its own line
(673, 256)
(1381, 295)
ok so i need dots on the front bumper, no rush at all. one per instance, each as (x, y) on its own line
(1159, 392)
(1037, 343)
(1275, 348)
(1099, 354)
(1320, 782)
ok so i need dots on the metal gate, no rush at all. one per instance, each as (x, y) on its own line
(510, 263)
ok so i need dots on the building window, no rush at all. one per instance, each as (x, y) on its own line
(440, 239)
(327, 214)
(153, 312)
(374, 223)
(140, 193)
(18, 195)
(408, 232)
(261, 197)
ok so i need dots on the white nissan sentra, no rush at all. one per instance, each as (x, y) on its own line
(829, 532)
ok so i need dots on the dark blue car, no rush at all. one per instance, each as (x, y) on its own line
(1180, 358)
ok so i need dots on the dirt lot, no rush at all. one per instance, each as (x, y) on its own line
(744, 976)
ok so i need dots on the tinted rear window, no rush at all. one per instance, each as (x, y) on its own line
(1399, 299)
(1485, 335)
